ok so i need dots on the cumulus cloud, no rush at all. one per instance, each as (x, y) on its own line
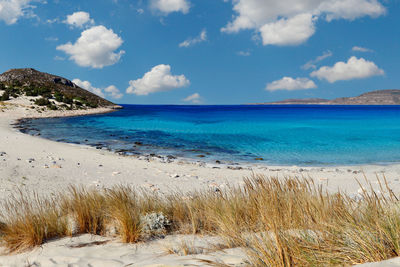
(88, 86)
(361, 49)
(79, 19)
(312, 63)
(158, 79)
(96, 48)
(195, 98)
(12, 10)
(292, 31)
(168, 6)
(110, 91)
(354, 68)
(290, 84)
(275, 21)
(113, 92)
(192, 41)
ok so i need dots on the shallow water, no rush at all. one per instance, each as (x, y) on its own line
(281, 135)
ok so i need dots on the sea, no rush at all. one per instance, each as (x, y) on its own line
(261, 134)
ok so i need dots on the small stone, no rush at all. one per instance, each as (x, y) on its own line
(201, 156)
(259, 159)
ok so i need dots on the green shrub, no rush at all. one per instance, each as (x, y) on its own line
(42, 102)
(5, 96)
(59, 97)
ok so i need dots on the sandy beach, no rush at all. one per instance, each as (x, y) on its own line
(46, 167)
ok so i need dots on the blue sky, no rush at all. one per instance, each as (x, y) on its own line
(207, 51)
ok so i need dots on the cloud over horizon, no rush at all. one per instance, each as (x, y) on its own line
(194, 98)
(110, 91)
(158, 79)
(354, 68)
(290, 84)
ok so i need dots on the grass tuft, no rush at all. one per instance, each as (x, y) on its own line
(277, 222)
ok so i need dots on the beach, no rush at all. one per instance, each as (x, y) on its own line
(38, 165)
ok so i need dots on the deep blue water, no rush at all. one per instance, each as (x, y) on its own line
(289, 135)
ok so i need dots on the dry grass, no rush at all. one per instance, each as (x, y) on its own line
(278, 222)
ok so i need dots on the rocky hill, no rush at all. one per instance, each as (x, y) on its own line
(49, 90)
(379, 97)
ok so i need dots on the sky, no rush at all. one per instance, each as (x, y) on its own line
(207, 51)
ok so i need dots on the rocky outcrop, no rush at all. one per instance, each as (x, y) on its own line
(29, 81)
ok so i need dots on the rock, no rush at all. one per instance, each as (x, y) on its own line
(259, 159)
(175, 175)
(201, 156)
(115, 173)
(2, 154)
(154, 223)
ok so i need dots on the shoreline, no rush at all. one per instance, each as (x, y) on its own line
(182, 167)
(19, 127)
(35, 164)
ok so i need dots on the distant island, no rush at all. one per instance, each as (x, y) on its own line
(379, 97)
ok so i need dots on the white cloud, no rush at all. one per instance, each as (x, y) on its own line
(169, 6)
(361, 49)
(276, 20)
(12, 10)
(158, 79)
(290, 84)
(110, 91)
(354, 68)
(96, 48)
(243, 53)
(192, 41)
(113, 92)
(51, 39)
(292, 31)
(88, 86)
(195, 98)
(79, 19)
(311, 64)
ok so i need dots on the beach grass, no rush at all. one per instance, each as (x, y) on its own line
(277, 222)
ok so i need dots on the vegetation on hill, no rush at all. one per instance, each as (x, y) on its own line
(55, 92)
(278, 222)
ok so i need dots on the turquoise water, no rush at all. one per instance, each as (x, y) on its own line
(284, 135)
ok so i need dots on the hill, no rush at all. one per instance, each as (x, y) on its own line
(49, 90)
(379, 97)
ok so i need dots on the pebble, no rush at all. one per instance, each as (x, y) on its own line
(175, 175)
(2, 154)
(30, 160)
(55, 166)
(115, 173)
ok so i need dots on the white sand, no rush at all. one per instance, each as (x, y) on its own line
(45, 166)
